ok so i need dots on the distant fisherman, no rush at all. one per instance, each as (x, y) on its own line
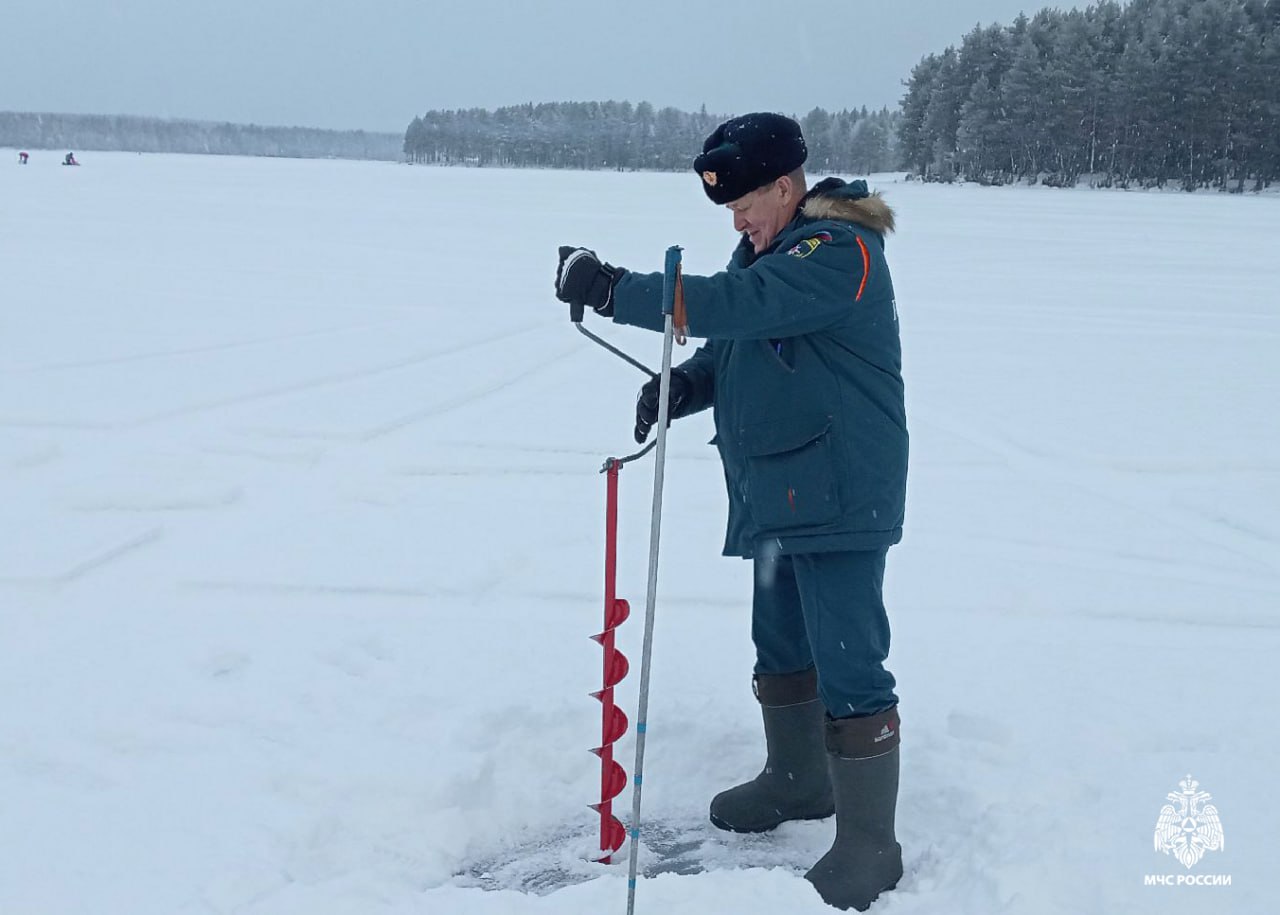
(802, 366)
(22, 158)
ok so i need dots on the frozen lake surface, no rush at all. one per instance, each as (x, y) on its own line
(302, 534)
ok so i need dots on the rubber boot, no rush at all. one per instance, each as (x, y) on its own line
(794, 784)
(866, 858)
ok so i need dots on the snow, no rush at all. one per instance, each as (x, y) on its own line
(303, 526)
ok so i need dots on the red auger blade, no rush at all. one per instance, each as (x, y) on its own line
(617, 615)
(613, 730)
(613, 778)
(617, 668)
(612, 835)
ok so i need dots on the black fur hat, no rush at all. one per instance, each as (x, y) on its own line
(748, 152)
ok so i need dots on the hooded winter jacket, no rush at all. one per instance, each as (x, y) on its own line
(803, 367)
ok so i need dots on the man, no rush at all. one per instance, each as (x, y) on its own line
(802, 367)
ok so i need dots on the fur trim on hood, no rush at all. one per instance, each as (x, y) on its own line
(870, 211)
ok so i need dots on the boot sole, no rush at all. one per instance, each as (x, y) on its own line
(728, 827)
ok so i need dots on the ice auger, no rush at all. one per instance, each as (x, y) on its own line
(613, 777)
(613, 720)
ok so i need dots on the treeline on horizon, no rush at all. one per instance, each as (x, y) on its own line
(1158, 92)
(1148, 93)
(622, 136)
(131, 133)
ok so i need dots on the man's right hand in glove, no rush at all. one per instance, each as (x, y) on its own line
(584, 281)
(647, 402)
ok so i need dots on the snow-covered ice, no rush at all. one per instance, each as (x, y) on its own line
(302, 535)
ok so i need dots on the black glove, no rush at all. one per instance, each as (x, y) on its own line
(583, 280)
(647, 402)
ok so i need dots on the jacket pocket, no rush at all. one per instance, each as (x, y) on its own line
(790, 474)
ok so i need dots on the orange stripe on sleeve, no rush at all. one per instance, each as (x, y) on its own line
(866, 267)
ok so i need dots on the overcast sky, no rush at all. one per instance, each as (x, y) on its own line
(374, 64)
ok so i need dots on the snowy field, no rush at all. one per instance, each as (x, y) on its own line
(302, 536)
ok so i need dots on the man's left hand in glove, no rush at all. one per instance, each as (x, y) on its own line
(647, 402)
(583, 280)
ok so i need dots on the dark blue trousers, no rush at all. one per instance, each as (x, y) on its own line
(826, 610)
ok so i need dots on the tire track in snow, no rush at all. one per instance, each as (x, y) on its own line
(1043, 468)
(468, 398)
(190, 350)
(325, 381)
(94, 561)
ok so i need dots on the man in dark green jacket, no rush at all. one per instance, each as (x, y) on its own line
(802, 367)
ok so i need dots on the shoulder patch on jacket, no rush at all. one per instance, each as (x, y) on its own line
(809, 245)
